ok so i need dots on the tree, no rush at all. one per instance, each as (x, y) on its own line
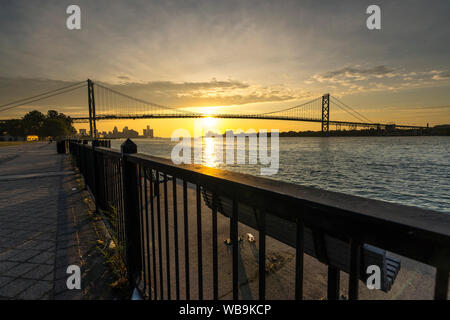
(32, 122)
(15, 127)
(52, 114)
(54, 128)
(53, 124)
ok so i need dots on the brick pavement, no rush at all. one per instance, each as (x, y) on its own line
(44, 227)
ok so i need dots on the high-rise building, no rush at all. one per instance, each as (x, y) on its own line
(148, 133)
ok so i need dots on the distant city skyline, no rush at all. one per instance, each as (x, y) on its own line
(125, 133)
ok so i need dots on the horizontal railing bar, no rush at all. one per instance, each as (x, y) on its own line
(409, 231)
(107, 151)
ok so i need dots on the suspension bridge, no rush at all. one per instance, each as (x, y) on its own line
(108, 104)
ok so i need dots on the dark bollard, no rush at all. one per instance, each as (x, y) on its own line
(61, 146)
(58, 147)
(128, 147)
(85, 142)
(131, 212)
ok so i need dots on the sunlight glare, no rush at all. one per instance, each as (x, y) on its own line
(209, 152)
(209, 122)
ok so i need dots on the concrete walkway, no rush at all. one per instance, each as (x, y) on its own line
(45, 227)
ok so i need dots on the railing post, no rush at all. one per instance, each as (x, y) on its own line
(355, 266)
(131, 211)
(441, 283)
(99, 177)
(333, 289)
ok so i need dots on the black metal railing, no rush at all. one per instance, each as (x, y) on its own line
(146, 197)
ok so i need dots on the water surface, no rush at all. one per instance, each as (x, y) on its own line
(407, 170)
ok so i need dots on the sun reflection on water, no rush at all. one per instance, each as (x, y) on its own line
(209, 152)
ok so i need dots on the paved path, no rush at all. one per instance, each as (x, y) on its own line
(44, 227)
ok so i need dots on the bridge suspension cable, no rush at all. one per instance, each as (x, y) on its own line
(42, 96)
(309, 110)
(110, 102)
(350, 110)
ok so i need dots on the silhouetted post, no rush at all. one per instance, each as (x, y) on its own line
(89, 82)
(59, 148)
(131, 211)
(94, 173)
(94, 118)
(76, 146)
(98, 175)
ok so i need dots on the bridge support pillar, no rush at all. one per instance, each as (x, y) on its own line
(326, 113)
(91, 97)
(90, 109)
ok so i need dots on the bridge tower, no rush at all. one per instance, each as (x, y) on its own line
(326, 113)
(91, 100)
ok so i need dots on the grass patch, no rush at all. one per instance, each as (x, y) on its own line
(114, 260)
(13, 143)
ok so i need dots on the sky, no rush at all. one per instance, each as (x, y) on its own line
(232, 56)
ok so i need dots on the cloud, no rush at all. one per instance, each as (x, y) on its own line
(355, 73)
(205, 93)
(170, 86)
(173, 94)
(441, 76)
(357, 79)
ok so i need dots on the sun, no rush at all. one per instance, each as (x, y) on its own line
(209, 122)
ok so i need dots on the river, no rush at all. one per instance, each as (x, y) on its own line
(407, 170)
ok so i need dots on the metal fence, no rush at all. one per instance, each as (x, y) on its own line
(141, 193)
